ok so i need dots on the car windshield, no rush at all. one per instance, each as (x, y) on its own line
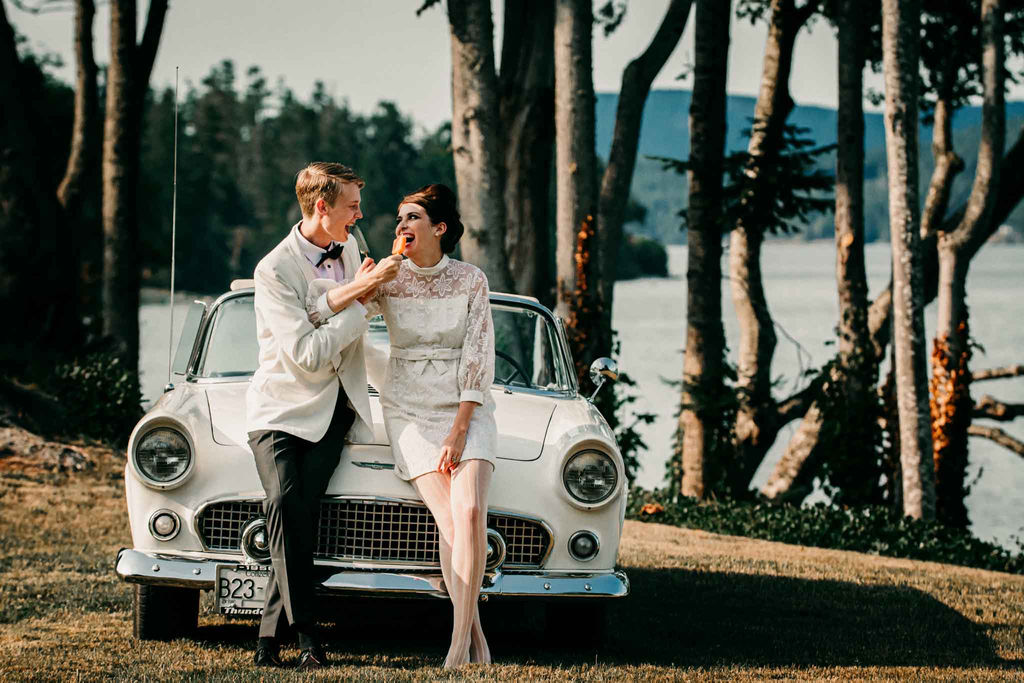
(528, 351)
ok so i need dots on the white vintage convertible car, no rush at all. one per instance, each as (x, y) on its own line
(194, 499)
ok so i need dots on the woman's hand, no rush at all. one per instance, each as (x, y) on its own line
(455, 442)
(451, 450)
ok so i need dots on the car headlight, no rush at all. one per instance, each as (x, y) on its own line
(590, 476)
(163, 455)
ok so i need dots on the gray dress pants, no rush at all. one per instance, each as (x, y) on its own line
(295, 473)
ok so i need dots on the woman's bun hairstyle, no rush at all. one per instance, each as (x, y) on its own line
(438, 201)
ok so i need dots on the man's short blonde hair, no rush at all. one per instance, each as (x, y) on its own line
(322, 179)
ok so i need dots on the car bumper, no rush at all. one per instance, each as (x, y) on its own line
(135, 566)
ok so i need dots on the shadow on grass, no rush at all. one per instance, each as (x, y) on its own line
(698, 618)
(678, 618)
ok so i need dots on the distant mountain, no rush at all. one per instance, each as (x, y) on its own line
(664, 133)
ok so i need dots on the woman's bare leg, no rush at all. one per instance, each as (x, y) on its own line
(434, 489)
(469, 485)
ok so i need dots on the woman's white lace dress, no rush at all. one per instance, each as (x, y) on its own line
(442, 352)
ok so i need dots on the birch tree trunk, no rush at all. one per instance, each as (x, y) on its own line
(849, 379)
(73, 187)
(476, 139)
(791, 479)
(702, 364)
(951, 400)
(755, 426)
(127, 80)
(852, 467)
(80, 175)
(900, 44)
(527, 83)
(577, 255)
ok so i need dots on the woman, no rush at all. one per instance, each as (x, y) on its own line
(436, 397)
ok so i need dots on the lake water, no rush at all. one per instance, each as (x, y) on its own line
(650, 316)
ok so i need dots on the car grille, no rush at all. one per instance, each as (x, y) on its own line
(377, 531)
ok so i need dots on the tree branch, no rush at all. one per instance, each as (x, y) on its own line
(803, 14)
(44, 6)
(999, 436)
(618, 175)
(997, 373)
(947, 166)
(796, 405)
(1009, 194)
(993, 409)
(147, 48)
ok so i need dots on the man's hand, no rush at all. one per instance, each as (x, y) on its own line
(365, 268)
(387, 269)
(364, 283)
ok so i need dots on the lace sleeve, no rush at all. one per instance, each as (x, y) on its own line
(476, 371)
(373, 304)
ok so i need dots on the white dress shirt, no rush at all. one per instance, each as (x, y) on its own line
(331, 269)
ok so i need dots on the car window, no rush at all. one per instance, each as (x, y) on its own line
(231, 348)
(528, 352)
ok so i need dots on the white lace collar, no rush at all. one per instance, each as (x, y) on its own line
(429, 270)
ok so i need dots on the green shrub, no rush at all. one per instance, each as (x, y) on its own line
(641, 257)
(869, 529)
(101, 395)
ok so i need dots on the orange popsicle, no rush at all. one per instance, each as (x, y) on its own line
(398, 246)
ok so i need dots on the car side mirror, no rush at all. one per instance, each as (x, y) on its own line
(602, 370)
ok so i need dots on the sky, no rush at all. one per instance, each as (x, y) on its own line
(365, 52)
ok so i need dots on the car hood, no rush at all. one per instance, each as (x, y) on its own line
(522, 420)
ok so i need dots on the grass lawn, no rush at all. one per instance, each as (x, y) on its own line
(703, 606)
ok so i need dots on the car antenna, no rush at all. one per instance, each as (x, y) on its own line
(174, 225)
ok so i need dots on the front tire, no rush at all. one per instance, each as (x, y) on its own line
(164, 613)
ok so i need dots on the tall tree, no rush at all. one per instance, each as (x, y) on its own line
(756, 415)
(578, 266)
(127, 84)
(527, 101)
(637, 78)
(950, 79)
(852, 466)
(29, 229)
(589, 234)
(84, 143)
(900, 53)
(79, 181)
(951, 402)
(705, 337)
(793, 476)
(845, 386)
(476, 139)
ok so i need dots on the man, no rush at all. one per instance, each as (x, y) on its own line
(309, 390)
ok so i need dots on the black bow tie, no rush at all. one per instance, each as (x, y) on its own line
(333, 253)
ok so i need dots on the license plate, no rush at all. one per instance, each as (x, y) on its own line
(241, 589)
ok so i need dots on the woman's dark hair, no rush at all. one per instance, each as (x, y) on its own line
(439, 202)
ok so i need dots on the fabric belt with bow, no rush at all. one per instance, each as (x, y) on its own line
(421, 356)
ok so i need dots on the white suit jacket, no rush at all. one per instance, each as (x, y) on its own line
(295, 388)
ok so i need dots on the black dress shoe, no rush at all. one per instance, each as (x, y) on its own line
(266, 656)
(312, 658)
